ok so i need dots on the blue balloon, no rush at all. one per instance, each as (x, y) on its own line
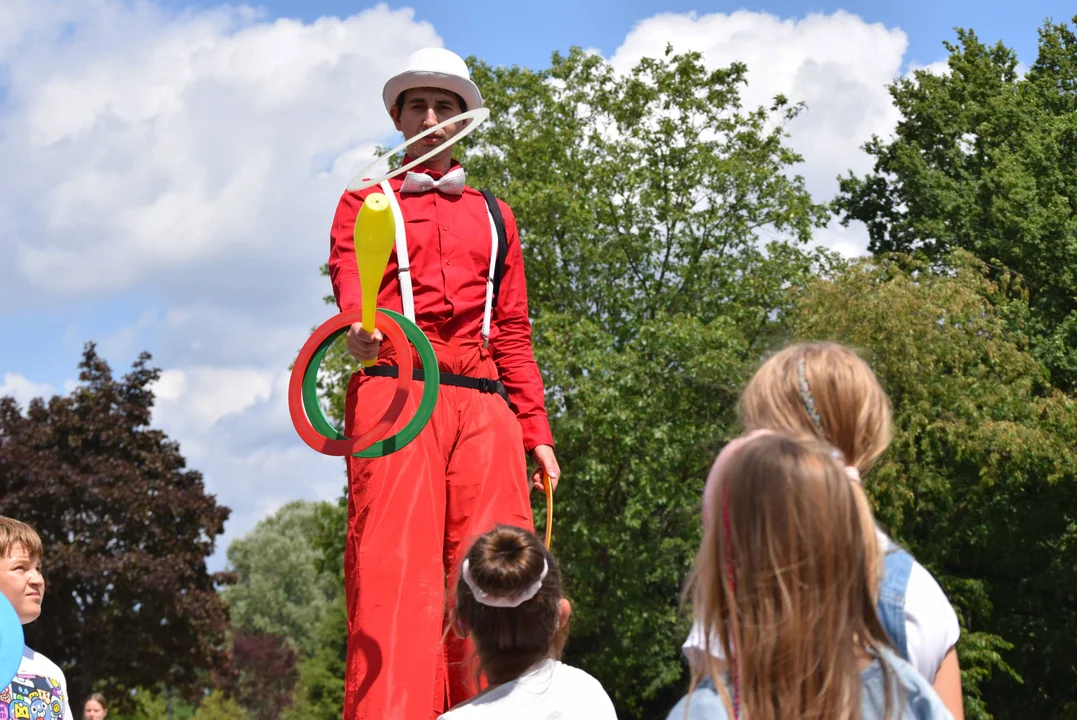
(11, 642)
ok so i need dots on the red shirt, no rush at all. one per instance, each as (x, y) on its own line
(449, 252)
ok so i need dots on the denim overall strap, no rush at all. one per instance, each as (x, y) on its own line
(891, 605)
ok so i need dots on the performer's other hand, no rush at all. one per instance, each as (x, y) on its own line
(362, 345)
(547, 466)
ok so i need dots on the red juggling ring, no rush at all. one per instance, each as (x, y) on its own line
(348, 446)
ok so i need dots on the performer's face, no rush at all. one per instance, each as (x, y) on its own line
(424, 108)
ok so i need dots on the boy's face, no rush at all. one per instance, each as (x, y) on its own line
(22, 583)
(423, 109)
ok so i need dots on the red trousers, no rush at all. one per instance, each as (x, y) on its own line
(411, 516)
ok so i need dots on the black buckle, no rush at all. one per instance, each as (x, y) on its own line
(486, 385)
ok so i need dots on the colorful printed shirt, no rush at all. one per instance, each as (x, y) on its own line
(38, 692)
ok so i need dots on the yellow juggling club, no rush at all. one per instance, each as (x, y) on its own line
(375, 235)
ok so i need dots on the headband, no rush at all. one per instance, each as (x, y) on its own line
(503, 601)
(807, 398)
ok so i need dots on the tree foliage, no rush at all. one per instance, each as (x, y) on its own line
(660, 224)
(151, 705)
(265, 673)
(126, 529)
(278, 589)
(219, 706)
(981, 480)
(985, 159)
(319, 694)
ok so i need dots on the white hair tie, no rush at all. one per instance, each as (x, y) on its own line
(850, 470)
(503, 601)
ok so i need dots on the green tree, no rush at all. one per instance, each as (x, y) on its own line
(278, 589)
(981, 479)
(320, 692)
(126, 529)
(985, 159)
(218, 706)
(661, 225)
(149, 705)
(290, 581)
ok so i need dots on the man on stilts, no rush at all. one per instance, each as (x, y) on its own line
(411, 514)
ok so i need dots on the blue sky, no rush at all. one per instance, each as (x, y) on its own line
(485, 28)
(169, 179)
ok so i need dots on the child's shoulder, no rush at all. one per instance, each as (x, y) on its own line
(932, 628)
(552, 686)
(918, 700)
(572, 675)
(923, 596)
(703, 703)
(580, 683)
(37, 663)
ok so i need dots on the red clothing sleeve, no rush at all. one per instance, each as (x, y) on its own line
(343, 272)
(511, 345)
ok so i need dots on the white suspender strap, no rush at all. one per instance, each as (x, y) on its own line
(403, 265)
(488, 310)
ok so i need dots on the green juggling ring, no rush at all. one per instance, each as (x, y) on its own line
(410, 431)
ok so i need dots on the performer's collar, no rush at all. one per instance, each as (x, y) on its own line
(423, 168)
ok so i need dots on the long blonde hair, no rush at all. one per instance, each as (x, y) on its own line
(822, 389)
(784, 581)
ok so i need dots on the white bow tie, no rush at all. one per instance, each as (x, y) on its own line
(451, 183)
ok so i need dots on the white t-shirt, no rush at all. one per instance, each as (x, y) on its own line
(931, 627)
(38, 691)
(552, 691)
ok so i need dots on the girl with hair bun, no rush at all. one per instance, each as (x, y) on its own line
(511, 605)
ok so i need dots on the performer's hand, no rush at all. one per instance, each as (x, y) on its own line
(362, 345)
(547, 466)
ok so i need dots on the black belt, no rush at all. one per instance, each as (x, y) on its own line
(483, 385)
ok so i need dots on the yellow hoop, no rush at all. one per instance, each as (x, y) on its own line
(549, 509)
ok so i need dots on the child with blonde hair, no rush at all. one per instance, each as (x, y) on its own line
(510, 603)
(39, 689)
(784, 581)
(825, 390)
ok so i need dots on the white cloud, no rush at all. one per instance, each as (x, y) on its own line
(23, 389)
(142, 147)
(233, 426)
(208, 394)
(939, 67)
(838, 64)
(194, 160)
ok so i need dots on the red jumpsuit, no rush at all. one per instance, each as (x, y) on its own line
(413, 513)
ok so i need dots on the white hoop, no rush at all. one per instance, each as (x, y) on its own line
(477, 116)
